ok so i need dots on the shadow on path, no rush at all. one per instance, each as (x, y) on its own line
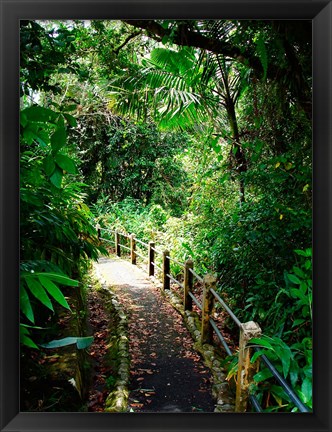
(167, 374)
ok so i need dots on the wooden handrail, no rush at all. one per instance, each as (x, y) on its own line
(248, 330)
(176, 262)
(157, 250)
(200, 279)
(141, 242)
(166, 270)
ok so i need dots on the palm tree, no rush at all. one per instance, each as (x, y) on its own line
(187, 89)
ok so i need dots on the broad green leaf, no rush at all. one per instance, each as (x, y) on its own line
(27, 341)
(26, 305)
(307, 264)
(307, 370)
(57, 343)
(38, 291)
(296, 293)
(284, 353)
(306, 389)
(294, 374)
(300, 252)
(165, 24)
(189, 249)
(304, 287)
(55, 105)
(56, 177)
(261, 342)
(69, 108)
(298, 272)
(66, 163)
(49, 165)
(39, 114)
(23, 330)
(33, 132)
(23, 119)
(70, 233)
(305, 310)
(298, 321)
(165, 39)
(84, 342)
(58, 139)
(257, 354)
(42, 138)
(306, 253)
(31, 326)
(81, 342)
(286, 361)
(63, 280)
(30, 197)
(214, 143)
(71, 120)
(61, 123)
(54, 291)
(279, 394)
(262, 375)
(293, 279)
(29, 135)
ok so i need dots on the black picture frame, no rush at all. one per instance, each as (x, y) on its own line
(12, 11)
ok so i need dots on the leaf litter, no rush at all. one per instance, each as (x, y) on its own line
(162, 356)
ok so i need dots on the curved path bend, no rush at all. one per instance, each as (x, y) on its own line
(167, 374)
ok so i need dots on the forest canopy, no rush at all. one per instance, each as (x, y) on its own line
(195, 134)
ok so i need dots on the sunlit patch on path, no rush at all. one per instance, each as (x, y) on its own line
(167, 374)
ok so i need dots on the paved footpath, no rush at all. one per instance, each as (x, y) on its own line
(167, 374)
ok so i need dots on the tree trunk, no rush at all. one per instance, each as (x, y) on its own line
(240, 158)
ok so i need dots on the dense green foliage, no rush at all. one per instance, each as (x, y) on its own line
(132, 160)
(57, 235)
(194, 134)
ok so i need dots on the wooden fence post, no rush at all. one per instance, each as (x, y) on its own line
(151, 258)
(246, 370)
(98, 231)
(117, 244)
(209, 282)
(166, 270)
(133, 249)
(188, 285)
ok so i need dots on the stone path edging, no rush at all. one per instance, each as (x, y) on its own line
(117, 399)
(220, 388)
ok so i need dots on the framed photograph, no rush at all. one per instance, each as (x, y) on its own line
(154, 17)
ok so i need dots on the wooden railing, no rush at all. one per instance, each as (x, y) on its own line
(247, 331)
